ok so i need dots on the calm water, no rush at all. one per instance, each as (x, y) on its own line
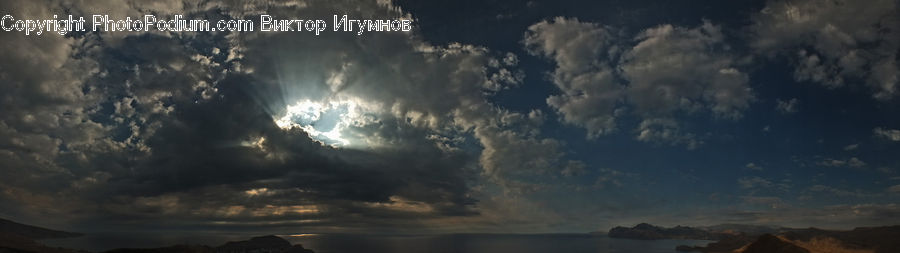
(456, 243)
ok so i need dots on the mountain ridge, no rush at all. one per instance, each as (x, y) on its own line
(646, 231)
(812, 240)
(32, 232)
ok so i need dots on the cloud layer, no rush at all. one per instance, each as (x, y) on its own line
(390, 131)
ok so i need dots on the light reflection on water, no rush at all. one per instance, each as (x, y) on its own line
(351, 243)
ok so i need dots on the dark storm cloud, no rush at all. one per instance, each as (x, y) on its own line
(190, 151)
(175, 126)
(181, 127)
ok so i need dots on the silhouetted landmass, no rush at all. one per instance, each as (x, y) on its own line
(35, 233)
(769, 243)
(170, 249)
(880, 239)
(14, 243)
(20, 238)
(262, 244)
(758, 239)
(736, 229)
(646, 231)
(813, 240)
(727, 244)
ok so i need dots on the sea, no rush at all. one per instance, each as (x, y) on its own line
(353, 243)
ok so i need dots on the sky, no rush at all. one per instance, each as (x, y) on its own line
(488, 116)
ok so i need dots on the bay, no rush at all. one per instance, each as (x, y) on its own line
(353, 243)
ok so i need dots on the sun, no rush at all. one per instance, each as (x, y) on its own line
(325, 122)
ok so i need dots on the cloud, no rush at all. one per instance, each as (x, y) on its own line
(754, 166)
(674, 69)
(142, 127)
(788, 107)
(770, 202)
(666, 131)
(894, 189)
(853, 162)
(851, 147)
(609, 177)
(888, 134)
(181, 130)
(46, 116)
(834, 43)
(839, 192)
(754, 182)
(582, 52)
(511, 159)
(832, 216)
(669, 71)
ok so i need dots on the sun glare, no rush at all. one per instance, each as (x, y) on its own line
(325, 122)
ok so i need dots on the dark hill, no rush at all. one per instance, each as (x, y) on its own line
(646, 231)
(866, 239)
(771, 244)
(32, 232)
(262, 244)
(17, 237)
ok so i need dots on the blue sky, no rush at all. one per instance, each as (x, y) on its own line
(793, 144)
